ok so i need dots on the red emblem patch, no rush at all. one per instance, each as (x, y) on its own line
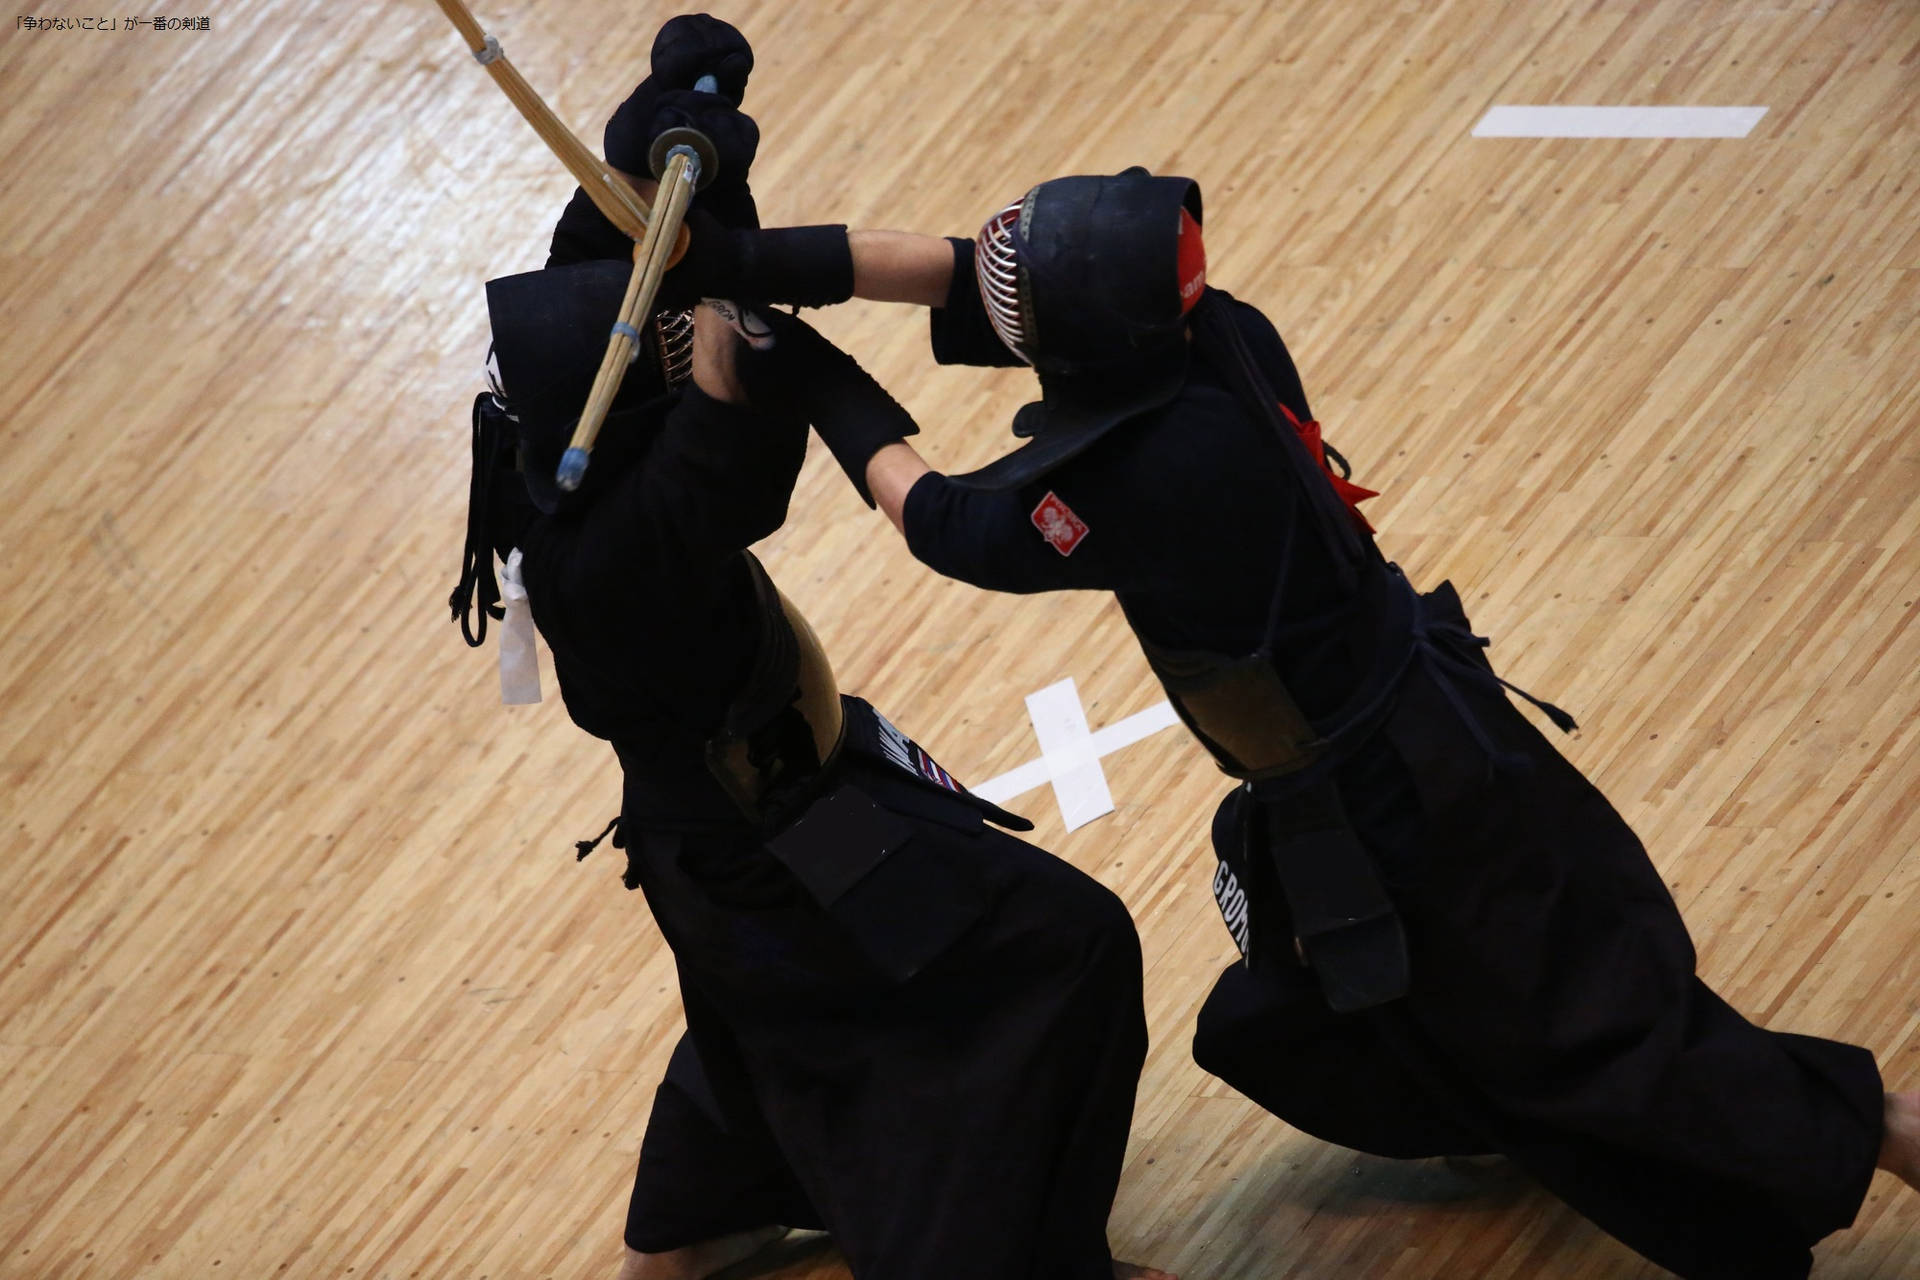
(1058, 525)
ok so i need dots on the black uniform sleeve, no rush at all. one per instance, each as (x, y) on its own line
(962, 334)
(584, 234)
(989, 539)
(716, 480)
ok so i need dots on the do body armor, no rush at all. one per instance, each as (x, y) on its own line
(785, 726)
(1294, 835)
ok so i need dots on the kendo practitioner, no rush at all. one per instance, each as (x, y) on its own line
(1451, 943)
(904, 1027)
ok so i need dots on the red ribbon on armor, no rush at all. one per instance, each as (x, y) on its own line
(1350, 493)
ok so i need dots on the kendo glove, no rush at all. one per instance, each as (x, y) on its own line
(688, 47)
(852, 412)
(735, 138)
(584, 233)
(802, 266)
(698, 44)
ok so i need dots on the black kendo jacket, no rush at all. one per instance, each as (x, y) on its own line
(1188, 515)
(1183, 513)
(647, 601)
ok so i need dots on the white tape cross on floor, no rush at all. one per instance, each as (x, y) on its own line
(1070, 753)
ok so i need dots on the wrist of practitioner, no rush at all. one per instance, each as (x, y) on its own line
(853, 414)
(860, 430)
(716, 358)
(891, 473)
(812, 266)
(804, 266)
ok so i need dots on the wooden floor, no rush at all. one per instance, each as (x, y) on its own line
(297, 974)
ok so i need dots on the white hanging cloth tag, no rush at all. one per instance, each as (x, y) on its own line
(519, 665)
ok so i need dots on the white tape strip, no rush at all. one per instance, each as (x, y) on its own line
(1014, 782)
(1066, 744)
(1141, 724)
(1618, 122)
(1071, 759)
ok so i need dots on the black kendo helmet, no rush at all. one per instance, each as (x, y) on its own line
(549, 336)
(550, 331)
(1089, 280)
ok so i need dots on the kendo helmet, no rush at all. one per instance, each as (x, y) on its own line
(549, 336)
(1089, 279)
(550, 331)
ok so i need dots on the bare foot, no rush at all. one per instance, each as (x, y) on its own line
(698, 1261)
(1134, 1271)
(1900, 1149)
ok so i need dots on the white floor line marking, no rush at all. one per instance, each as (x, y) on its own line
(1014, 782)
(1141, 724)
(1618, 122)
(1066, 745)
(1105, 742)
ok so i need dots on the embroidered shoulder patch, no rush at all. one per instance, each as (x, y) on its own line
(1058, 525)
(911, 756)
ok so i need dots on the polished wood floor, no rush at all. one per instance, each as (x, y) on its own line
(297, 974)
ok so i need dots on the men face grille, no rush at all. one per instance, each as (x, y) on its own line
(999, 272)
(673, 339)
